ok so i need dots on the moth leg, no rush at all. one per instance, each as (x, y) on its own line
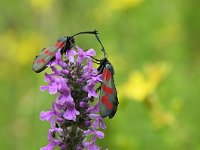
(36, 57)
(97, 60)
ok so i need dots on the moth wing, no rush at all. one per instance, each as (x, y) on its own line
(108, 100)
(43, 58)
(113, 99)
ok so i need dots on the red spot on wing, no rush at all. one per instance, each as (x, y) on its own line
(104, 87)
(60, 44)
(104, 73)
(107, 90)
(46, 52)
(43, 61)
(106, 102)
(108, 75)
(37, 61)
(50, 53)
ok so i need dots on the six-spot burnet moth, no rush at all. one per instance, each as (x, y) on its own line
(108, 96)
(108, 101)
(47, 54)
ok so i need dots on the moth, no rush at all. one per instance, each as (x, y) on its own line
(47, 54)
(108, 100)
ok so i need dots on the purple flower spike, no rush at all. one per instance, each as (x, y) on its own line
(73, 117)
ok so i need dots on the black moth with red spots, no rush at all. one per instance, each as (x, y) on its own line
(108, 96)
(48, 54)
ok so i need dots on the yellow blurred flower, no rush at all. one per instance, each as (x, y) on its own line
(142, 84)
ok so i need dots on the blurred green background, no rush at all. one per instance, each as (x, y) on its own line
(155, 49)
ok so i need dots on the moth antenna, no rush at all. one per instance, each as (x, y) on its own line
(97, 37)
(86, 32)
(103, 49)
